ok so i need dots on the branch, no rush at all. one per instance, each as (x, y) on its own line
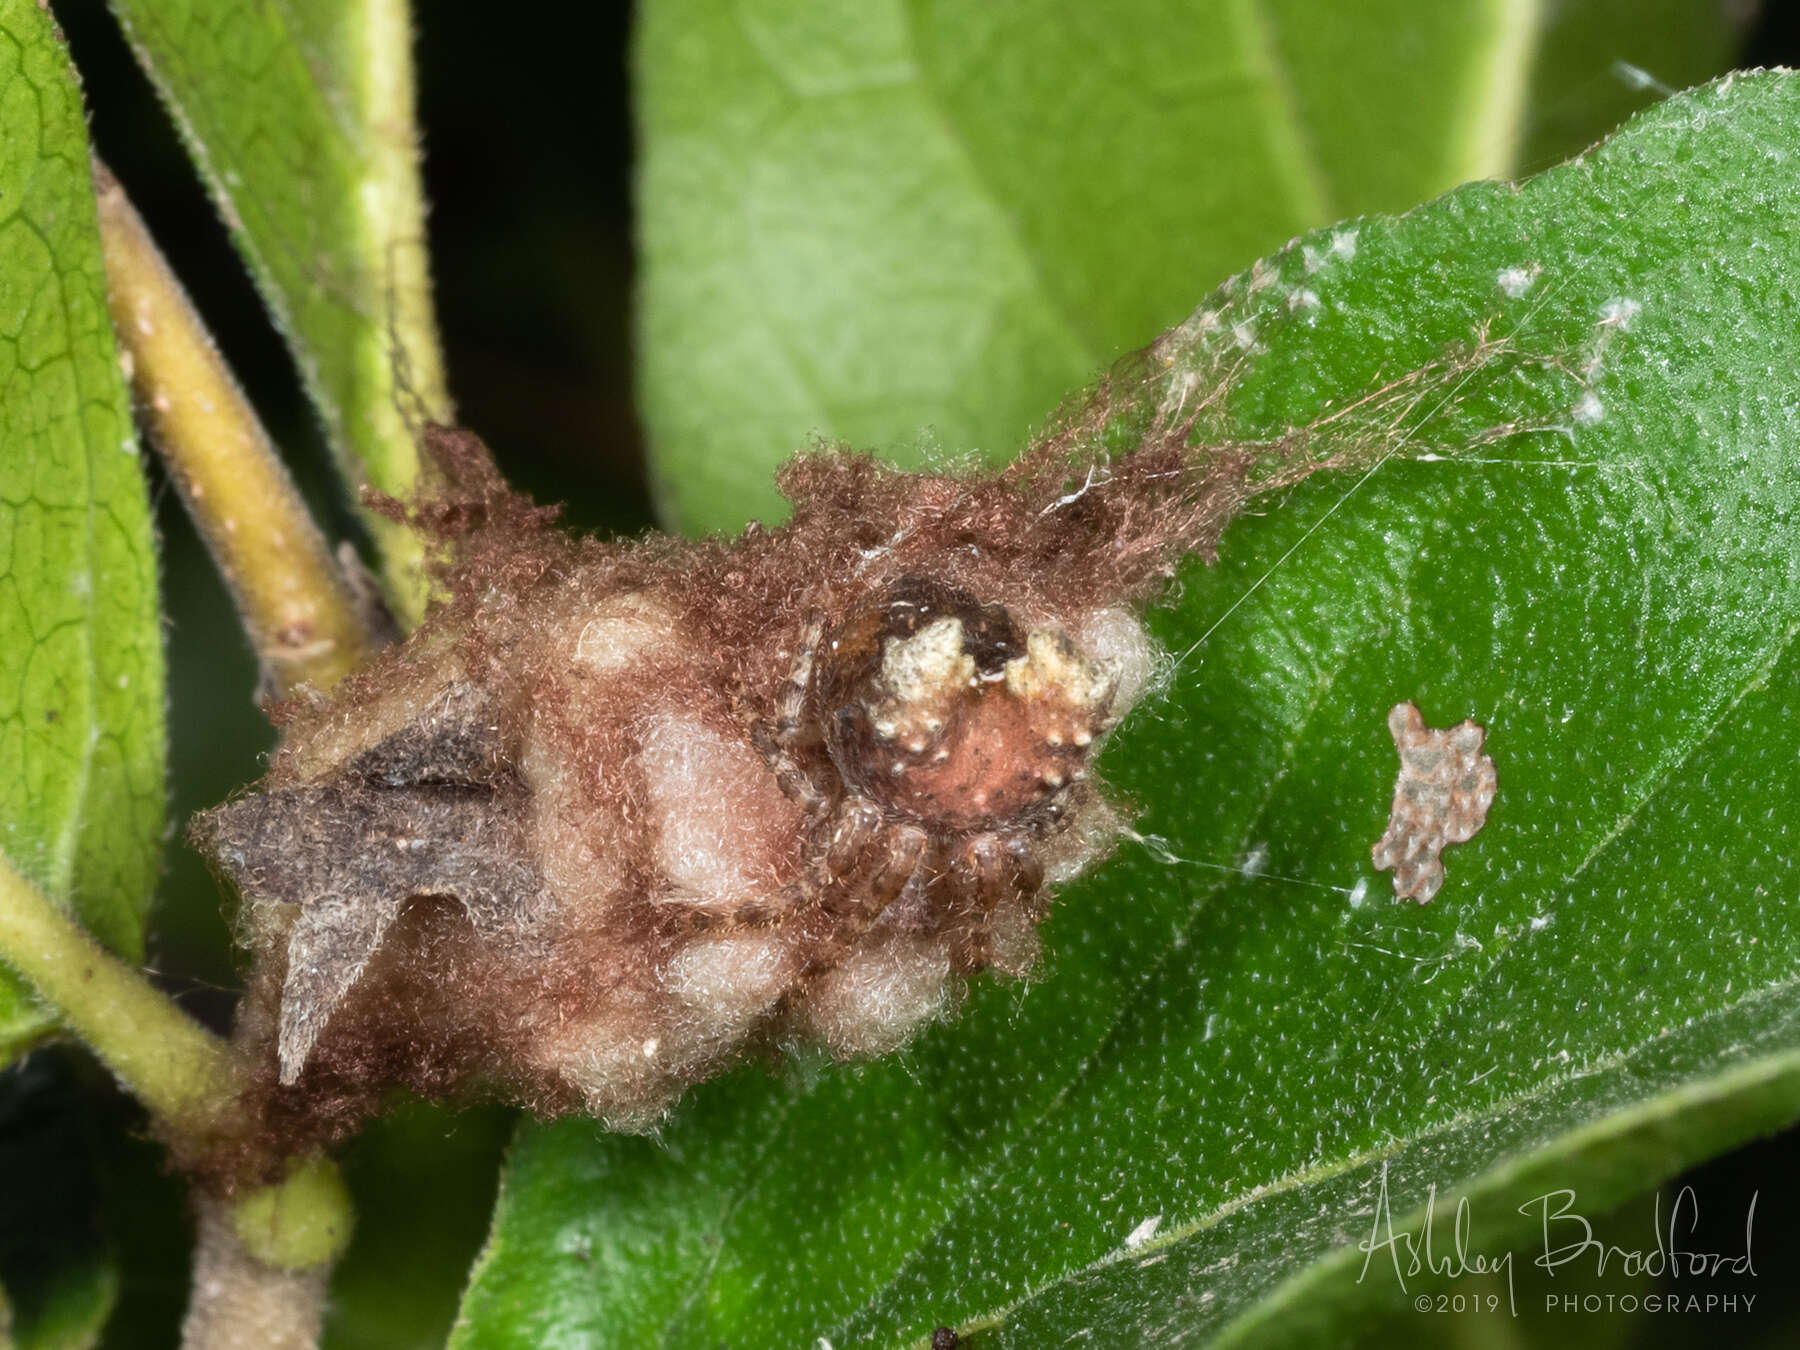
(266, 1251)
(184, 1075)
(406, 364)
(241, 1300)
(295, 604)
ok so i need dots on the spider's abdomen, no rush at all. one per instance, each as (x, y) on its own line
(939, 708)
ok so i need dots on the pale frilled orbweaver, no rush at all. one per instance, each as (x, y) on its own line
(934, 747)
(618, 812)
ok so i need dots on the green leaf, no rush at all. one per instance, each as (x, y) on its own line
(1574, 514)
(299, 115)
(81, 674)
(68, 1312)
(908, 224)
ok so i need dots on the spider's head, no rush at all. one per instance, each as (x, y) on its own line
(941, 708)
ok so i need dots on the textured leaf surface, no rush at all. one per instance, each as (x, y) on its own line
(298, 114)
(1578, 526)
(911, 224)
(81, 680)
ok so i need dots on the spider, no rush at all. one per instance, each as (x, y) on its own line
(933, 747)
(619, 811)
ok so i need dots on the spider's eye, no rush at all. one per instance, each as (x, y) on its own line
(938, 707)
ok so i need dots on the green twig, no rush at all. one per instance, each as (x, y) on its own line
(182, 1073)
(189, 1079)
(295, 604)
(405, 363)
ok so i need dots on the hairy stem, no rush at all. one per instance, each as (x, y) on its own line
(266, 1250)
(182, 1073)
(404, 366)
(295, 604)
(239, 1300)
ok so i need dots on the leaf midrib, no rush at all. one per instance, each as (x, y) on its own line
(1309, 193)
(1614, 1123)
(756, 1174)
(1313, 199)
(273, 238)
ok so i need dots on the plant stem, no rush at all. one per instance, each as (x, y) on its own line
(241, 1301)
(184, 1074)
(265, 1252)
(405, 365)
(294, 602)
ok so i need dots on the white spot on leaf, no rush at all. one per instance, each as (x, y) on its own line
(1146, 1230)
(1515, 281)
(1619, 313)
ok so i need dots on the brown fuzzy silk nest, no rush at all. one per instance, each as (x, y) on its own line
(619, 812)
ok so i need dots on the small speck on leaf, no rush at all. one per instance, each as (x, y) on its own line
(1146, 1230)
(1441, 797)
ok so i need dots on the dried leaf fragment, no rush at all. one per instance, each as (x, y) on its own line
(1441, 797)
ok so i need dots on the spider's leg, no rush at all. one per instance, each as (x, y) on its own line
(779, 743)
(1028, 876)
(845, 855)
(858, 868)
(989, 870)
(790, 704)
(687, 915)
(902, 854)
